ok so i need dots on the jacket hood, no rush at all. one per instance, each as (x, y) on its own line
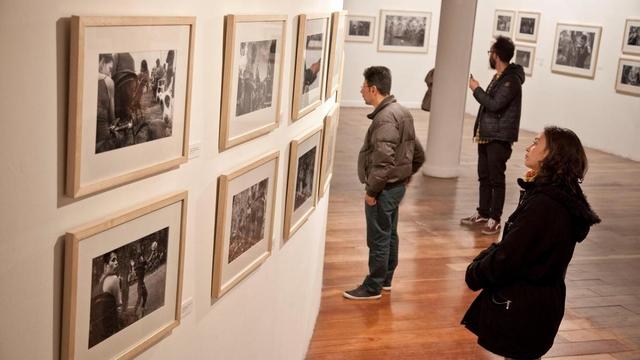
(386, 101)
(573, 200)
(515, 70)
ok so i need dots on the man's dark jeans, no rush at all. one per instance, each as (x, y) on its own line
(492, 163)
(382, 238)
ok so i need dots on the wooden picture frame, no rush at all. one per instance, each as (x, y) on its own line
(145, 243)
(133, 121)
(244, 221)
(503, 23)
(360, 28)
(628, 76)
(404, 31)
(527, 26)
(525, 56)
(254, 48)
(329, 137)
(309, 78)
(576, 50)
(336, 52)
(302, 181)
(631, 37)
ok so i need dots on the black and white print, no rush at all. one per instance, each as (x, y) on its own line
(523, 58)
(359, 28)
(305, 177)
(575, 48)
(404, 30)
(255, 76)
(527, 25)
(504, 23)
(630, 75)
(127, 284)
(135, 98)
(312, 62)
(248, 218)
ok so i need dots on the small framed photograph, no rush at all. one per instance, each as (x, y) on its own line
(336, 52)
(252, 77)
(527, 26)
(503, 22)
(244, 224)
(302, 182)
(360, 28)
(123, 281)
(330, 133)
(404, 31)
(525, 56)
(631, 40)
(628, 79)
(311, 64)
(576, 50)
(129, 96)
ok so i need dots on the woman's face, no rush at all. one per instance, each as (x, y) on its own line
(536, 152)
(112, 265)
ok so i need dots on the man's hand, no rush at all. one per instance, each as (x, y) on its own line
(473, 83)
(371, 201)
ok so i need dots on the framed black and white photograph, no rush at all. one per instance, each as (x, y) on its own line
(576, 50)
(302, 181)
(360, 28)
(525, 56)
(631, 39)
(329, 135)
(252, 77)
(336, 52)
(404, 31)
(503, 23)
(311, 64)
(123, 281)
(527, 26)
(244, 225)
(628, 78)
(132, 119)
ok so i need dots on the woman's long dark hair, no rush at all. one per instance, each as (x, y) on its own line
(566, 161)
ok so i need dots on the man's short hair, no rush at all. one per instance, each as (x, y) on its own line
(380, 77)
(504, 48)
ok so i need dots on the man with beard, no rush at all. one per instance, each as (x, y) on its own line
(495, 130)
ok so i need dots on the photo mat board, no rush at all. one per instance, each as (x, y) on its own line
(302, 181)
(309, 79)
(525, 56)
(527, 26)
(336, 52)
(329, 137)
(628, 76)
(404, 31)
(252, 77)
(123, 280)
(244, 222)
(576, 50)
(631, 38)
(503, 23)
(360, 28)
(132, 119)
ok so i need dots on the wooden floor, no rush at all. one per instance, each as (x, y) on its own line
(420, 318)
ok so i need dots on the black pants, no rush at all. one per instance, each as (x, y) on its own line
(492, 163)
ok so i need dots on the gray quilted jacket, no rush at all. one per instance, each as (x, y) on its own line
(390, 153)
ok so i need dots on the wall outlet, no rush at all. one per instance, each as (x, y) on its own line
(187, 307)
(195, 149)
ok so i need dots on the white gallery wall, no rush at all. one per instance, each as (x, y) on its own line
(604, 119)
(408, 69)
(270, 315)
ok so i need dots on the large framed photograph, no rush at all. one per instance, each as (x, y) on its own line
(123, 281)
(251, 82)
(628, 79)
(631, 39)
(404, 31)
(527, 26)
(360, 28)
(336, 52)
(302, 182)
(525, 56)
(311, 64)
(503, 22)
(244, 225)
(329, 135)
(576, 50)
(129, 95)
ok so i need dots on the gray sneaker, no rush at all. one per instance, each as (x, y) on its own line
(474, 219)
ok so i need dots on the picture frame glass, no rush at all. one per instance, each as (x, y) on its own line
(628, 76)
(631, 39)
(360, 28)
(525, 57)
(527, 26)
(503, 23)
(404, 31)
(336, 52)
(312, 81)
(576, 49)
(330, 133)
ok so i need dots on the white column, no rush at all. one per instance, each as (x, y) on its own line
(450, 88)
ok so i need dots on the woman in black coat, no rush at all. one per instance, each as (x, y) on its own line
(521, 305)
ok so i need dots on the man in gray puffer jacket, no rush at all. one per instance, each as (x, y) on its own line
(389, 157)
